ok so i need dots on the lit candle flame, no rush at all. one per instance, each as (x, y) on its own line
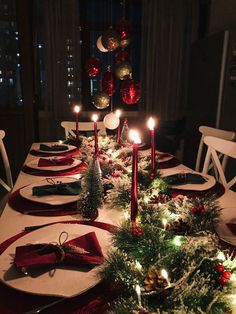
(77, 109)
(118, 113)
(164, 221)
(165, 276)
(134, 136)
(151, 123)
(95, 117)
(138, 291)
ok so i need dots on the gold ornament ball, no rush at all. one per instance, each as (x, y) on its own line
(124, 43)
(101, 100)
(123, 70)
(110, 40)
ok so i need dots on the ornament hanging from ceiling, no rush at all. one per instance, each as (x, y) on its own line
(110, 39)
(111, 121)
(101, 100)
(93, 66)
(123, 70)
(123, 29)
(100, 45)
(122, 55)
(124, 42)
(108, 82)
(130, 91)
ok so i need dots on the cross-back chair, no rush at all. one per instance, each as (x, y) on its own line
(209, 131)
(70, 127)
(8, 185)
(227, 149)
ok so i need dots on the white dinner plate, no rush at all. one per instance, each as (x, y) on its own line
(64, 282)
(26, 192)
(194, 187)
(228, 215)
(70, 147)
(34, 165)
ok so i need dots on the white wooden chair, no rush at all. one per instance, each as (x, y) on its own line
(208, 131)
(227, 149)
(9, 184)
(70, 127)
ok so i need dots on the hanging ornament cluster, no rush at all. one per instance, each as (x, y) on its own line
(93, 66)
(114, 41)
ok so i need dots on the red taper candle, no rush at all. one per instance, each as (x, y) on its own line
(134, 188)
(77, 110)
(151, 124)
(95, 118)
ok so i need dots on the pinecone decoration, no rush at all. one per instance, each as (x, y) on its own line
(155, 281)
(180, 227)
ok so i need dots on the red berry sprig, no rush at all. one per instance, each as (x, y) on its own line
(199, 209)
(136, 231)
(225, 274)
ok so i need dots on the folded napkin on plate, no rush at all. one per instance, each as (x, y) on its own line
(82, 251)
(71, 188)
(43, 162)
(53, 148)
(184, 178)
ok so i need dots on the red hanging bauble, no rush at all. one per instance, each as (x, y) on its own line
(108, 82)
(93, 66)
(130, 91)
(122, 55)
(123, 29)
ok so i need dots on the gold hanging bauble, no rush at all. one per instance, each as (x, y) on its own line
(123, 70)
(124, 43)
(101, 100)
(110, 39)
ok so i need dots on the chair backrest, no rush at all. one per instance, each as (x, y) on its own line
(9, 185)
(226, 148)
(208, 131)
(70, 127)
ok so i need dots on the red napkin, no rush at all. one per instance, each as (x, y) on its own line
(45, 254)
(43, 162)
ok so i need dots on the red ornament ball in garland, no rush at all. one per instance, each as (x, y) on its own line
(226, 275)
(220, 268)
(222, 280)
(130, 91)
(123, 29)
(136, 231)
(108, 83)
(110, 40)
(122, 55)
(93, 66)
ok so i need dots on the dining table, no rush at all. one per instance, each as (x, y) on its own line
(20, 224)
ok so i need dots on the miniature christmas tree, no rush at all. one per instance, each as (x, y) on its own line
(91, 197)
